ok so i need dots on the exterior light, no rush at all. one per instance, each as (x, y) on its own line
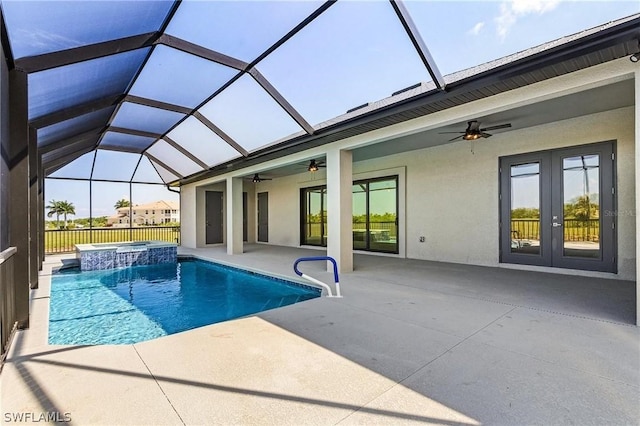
(635, 57)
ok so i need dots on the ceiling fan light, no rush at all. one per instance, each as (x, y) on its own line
(313, 166)
(256, 178)
(471, 136)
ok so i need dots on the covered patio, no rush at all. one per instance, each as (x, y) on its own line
(411, 341)
(500, 280)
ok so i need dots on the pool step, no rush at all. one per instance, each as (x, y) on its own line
(69, 264)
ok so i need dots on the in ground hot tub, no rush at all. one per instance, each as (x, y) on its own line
(101, 256)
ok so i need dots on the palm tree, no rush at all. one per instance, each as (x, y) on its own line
(67, 208)
(122, 203)
(55, 207)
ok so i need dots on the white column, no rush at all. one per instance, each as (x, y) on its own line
(339, 209)
(637, 170)
(234, 215)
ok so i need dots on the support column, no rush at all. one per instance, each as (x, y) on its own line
(33, 208)
(19, 191)
(234, 215)
(339, 209)
(41, 204)
(637, 169)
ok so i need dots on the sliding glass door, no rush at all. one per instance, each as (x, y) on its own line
(375, 215)
(314, 216)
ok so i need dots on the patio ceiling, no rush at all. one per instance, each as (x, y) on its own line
(169, 91)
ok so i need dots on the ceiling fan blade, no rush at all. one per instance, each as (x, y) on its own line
(457, 137)
(444, 133)
(485, 135)
(500, 126)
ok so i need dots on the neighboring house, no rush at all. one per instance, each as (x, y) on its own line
(156, 213)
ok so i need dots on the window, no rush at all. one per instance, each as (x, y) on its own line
(314, 216)
(375, 215)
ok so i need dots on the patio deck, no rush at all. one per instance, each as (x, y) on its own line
(411, 341)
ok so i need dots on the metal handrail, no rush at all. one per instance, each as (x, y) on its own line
(318, 282)
(5, 255)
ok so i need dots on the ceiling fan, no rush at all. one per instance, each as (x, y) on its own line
(474, 131)
(256, 178)
(315, 166)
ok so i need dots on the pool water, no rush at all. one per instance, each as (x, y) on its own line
(122, 306)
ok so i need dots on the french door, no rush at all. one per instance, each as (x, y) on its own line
(557, 208)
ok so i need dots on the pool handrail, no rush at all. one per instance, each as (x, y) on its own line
(318, 282)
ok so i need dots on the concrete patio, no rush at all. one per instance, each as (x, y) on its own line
(411, 342)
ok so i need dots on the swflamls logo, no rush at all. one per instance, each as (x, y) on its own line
(30, 417)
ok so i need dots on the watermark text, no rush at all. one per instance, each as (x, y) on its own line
(32, 417)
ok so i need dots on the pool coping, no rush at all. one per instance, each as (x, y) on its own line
(254, 271)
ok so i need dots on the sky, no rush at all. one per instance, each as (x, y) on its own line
(104, 194)
(355, 52)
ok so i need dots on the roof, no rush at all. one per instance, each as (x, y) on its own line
(155, 89)
(156, 205)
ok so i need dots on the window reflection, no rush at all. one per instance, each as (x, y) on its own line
(581, 206)
(375, 215)
(314, 216)
(525, 208)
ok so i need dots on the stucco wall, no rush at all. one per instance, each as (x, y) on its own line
(452, 192)
(188, 221)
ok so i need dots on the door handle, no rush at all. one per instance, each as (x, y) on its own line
(556, 224)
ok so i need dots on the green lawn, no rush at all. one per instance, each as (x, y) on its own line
(64, 241)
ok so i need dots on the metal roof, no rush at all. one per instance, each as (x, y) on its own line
(164, 91)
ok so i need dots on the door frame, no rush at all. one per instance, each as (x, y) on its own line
(220, 194)
(258, 216)
(551, 203)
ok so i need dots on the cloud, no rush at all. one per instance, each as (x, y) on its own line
(476, 28)
(512, 10)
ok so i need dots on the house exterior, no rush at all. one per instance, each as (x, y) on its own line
(573, 136)
(542, 173)
(156, 213)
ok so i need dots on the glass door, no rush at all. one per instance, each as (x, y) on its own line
(525, 184)
(583, 236)
(553, 205)
(314, 216)
(375, 214)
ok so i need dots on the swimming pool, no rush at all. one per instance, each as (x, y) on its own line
(130, 305)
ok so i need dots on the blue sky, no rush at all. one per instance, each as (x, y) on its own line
(356, 52)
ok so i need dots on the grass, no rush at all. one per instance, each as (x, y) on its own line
(64, 241)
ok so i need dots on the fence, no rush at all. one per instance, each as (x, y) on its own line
(574, 229)
(64, 241)
(313, 228)
(8, 315)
